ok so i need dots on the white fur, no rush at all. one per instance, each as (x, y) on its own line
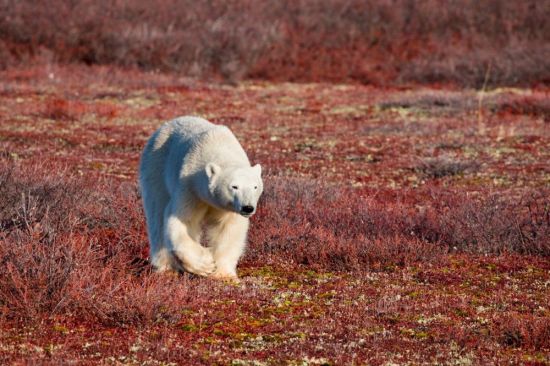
(195, 174)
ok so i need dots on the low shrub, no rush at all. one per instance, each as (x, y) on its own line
(76, 245)
(71, 245)
(335, 228)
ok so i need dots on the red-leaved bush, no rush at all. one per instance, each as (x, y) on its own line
(77, 245)
(70, 245)
(516, 330)
(327, 226)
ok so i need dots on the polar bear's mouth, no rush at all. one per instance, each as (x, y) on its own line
(245, 214)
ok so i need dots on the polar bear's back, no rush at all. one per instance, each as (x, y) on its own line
(198, 142)
(189, 127)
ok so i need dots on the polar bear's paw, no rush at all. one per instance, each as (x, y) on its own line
(199, 261)
(220, 274)
(163, 261)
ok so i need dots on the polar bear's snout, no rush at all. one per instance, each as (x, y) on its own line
(244, 201)
(247, 210)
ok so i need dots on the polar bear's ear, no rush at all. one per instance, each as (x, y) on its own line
(258, 168)
(212, 169)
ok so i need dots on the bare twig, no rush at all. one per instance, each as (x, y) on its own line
(481, 94)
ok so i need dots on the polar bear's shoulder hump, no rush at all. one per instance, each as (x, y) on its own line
(218, 134)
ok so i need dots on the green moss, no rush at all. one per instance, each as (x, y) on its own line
(327, 295)
(219, 332)
(61, 329)
(190, 328)
(416, 334)
(460, 312)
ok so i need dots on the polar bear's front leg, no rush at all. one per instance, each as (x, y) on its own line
(227, 239)
(179, 238)
(161, 259)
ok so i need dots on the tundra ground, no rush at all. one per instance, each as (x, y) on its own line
(399, 225)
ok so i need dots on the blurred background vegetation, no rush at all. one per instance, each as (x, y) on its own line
(380, 42)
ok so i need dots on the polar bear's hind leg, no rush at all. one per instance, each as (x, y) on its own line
(156, 197)
(155, 200)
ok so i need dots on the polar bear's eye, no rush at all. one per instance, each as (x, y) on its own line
(235, 187)
(255, 187)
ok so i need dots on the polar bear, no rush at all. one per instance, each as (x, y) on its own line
(195, 175)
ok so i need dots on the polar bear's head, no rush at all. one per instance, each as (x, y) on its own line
(235, 189)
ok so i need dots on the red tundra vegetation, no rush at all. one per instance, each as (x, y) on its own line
(402, 223)
(398, 225)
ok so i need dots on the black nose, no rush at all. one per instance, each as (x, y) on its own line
(247, 209)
